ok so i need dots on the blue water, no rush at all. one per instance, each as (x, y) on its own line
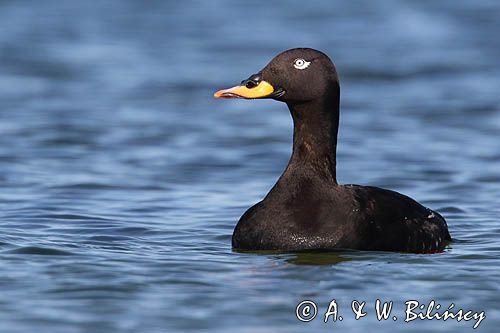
(121, 178)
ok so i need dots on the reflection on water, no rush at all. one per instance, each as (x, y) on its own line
(318, 258)
(304, 258)
(122, 179)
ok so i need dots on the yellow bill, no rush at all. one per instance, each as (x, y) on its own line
(263, 89)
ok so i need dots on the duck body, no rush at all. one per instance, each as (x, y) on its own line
(339, 217)
(307, 209)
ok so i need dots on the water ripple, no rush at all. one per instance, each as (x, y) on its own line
(122, 179)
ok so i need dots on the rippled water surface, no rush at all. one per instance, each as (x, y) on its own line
(122, 179)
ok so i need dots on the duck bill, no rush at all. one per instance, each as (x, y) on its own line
(262, 90)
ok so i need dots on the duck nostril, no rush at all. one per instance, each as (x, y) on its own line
(251, 84)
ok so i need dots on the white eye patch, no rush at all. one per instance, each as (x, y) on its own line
(301, 63)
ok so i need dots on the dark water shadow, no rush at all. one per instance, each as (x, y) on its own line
(334, 257)
(318, 258)
(310, 257)
(36, 250)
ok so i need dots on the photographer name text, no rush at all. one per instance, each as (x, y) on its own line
(307, 311)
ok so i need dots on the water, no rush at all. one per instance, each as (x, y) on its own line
(122, 179)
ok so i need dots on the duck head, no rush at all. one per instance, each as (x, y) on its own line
(294, 76)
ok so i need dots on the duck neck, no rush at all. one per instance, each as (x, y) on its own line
(315, 128)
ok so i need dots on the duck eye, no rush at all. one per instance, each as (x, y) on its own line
(301, 63)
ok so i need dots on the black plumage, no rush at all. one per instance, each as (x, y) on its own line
(306, 208)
